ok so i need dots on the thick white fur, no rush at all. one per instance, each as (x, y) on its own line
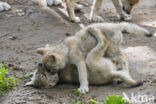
(4, 6)
(74, 50)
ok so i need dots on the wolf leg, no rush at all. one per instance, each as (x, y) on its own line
(71, 10)
(123, 15)
(4, 6)
(94, 11)
(126, 78)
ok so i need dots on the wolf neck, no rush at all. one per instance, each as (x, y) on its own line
(62, 50)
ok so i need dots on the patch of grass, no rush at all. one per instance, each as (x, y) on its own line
(76, 92)
(111, 99)
(6, 82)
(29, 75)
(114, 99)
(92, 101)
(74, 101)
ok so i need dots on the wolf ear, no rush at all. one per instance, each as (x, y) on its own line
(53, 58)
(42, 51)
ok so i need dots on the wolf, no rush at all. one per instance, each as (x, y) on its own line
(73, 50)
(100, 70)
(42, 78)
(123, 8)
(104, 68)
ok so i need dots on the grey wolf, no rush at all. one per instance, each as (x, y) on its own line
(123, 8)
(72, 52)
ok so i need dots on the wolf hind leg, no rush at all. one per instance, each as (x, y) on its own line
(71, 10)
(127, 78)
(123, 15)
(102, 42)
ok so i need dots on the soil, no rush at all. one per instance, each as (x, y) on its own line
(27, 26)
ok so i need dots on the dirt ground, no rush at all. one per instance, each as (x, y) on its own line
(27, 27)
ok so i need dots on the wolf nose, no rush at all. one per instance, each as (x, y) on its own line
(40, 64)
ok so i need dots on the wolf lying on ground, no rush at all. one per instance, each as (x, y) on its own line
(42, 78)
(4, 6)
(123, 8)
(72, 52)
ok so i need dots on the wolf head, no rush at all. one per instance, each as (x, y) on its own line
(51, 60)
(128, 5)
(43, 78)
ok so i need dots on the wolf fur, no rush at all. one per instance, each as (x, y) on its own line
(102, 66)
(74, 50)
(42, 78)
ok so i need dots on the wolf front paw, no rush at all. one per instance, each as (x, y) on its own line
(76, 19)
(50, 2)
(83, 89)
(4, 6)
(57, 2)
(126, 17)
(54, 2)
(97, 19)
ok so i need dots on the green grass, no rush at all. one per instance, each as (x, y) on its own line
(6, 82)
(76, 92)
(111, 99)
(92, 101)
(29, 75)
(74, 101)
(114, 99)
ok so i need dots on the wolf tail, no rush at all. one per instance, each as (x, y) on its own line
(134, 29)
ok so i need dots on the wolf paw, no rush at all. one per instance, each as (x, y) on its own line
(97, 19)
(4, 6)
(76, 19)
(54, 2)
(83, 89)
(126, 17)
(57, 2)
(50, 2)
